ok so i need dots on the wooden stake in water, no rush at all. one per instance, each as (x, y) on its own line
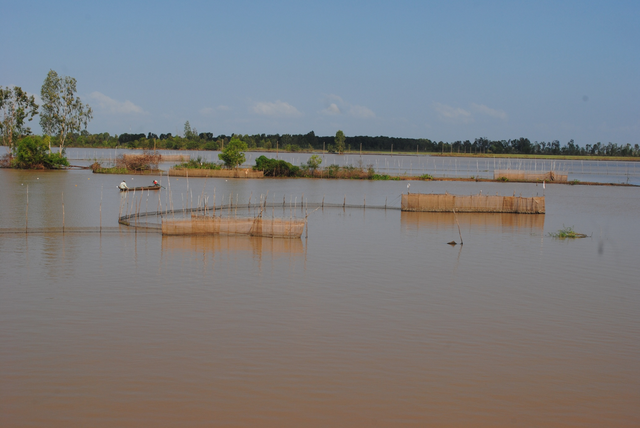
(26, 227)
(460, 234)
(62, 212)
(101, 188)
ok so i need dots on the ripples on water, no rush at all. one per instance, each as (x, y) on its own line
(373, 320)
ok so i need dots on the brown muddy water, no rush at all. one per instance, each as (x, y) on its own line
(372, 321)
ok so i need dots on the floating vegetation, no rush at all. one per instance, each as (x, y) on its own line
(567, 233)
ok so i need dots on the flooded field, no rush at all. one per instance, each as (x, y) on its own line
(408, 165)
(372, 321)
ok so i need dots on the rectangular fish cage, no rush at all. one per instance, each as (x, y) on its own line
(472, 204)
(205, 225)
(514, 175)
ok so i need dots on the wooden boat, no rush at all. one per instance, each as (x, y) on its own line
(139, 189)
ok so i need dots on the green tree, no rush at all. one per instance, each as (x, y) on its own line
(190, 133)
(314, 162)
(340, 139)
(16, 107)
(62, 112)
(32, 152)
(233, 153)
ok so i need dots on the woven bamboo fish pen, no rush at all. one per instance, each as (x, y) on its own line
(205, 225)
(513, 175)
(472, 204)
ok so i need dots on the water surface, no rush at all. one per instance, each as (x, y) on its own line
(373, 320)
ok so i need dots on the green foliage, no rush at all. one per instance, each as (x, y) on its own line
(197, 163)
(314, 162)
(62, 112)
(233, 153)
(190, 134)
(113, 170)
(505, 179)
(573, 182)
(339, 141)
(292, 148)
(567, 232)
(15, 107)
(275, 167)
(32, 152)
(380, 177)
(211, 145)
(426, 177)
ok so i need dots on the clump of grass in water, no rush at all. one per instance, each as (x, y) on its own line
(567, 233)
(426, 177)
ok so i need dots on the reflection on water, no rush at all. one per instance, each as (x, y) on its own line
(505, 222)
(224, 243)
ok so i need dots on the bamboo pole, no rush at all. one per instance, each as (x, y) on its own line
(101, 189)
(26, 227)
(459, 233)
(62, 212)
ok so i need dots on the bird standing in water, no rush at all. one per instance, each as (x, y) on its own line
(408, 185)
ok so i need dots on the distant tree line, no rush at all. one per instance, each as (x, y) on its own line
(311, 142)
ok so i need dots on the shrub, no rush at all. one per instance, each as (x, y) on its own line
(233, 154)
(197, 164)
(32, 153)
(139, 162)
(275, 167)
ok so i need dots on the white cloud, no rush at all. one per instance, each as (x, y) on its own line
(114, 106)
(338, 106)
(361, 112)
(223, 108)
(332, 110)
(279, 108)
(453, 114)
(480, 108)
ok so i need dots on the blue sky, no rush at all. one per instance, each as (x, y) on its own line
(446, 71)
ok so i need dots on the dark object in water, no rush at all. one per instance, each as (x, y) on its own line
(452, 243)
(131, 189)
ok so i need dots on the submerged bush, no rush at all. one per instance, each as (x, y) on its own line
(275, 167)
(139, 162)
(32, 152)
(567, 232)
(197, 163)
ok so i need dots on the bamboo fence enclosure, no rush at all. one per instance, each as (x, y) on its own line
(472, 204)
(205, 225)
(514, 175)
